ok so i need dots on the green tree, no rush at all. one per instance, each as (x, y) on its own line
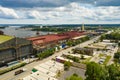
(119, 44)
(117, 57)
(67, 65)
(76, 59)
(46, 53)
(82, 56)
(114, 72)
(74, 77)
(102, 37)
(95, 72)
(69, 43)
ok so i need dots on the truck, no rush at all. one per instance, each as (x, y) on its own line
(19, 71)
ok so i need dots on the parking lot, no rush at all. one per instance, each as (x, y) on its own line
(72, 70)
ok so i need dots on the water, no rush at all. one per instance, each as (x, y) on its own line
(15, 31)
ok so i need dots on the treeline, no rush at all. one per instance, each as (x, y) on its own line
(51, 29)
(46, 53)
(49, 52)
(112, 36)
(117, 57)
(97, 72)
(2, 71)
(74, 77)
(76, 42)
(3, 27)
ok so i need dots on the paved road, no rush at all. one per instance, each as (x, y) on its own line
(10, 75)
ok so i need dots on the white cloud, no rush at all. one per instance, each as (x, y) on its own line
(35, 14)
(72, 11)
(95, 13)
(8, 13)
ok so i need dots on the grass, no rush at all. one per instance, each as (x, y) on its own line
(2, 71)
(86, 60)
(4, 38)
(106, 60)
(101, 55)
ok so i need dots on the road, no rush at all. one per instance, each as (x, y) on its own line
(10, 75)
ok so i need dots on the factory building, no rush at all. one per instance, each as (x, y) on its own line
(51, 40)
(12, 48)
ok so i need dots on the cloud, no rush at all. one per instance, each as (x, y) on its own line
(35, 15)
(8, 13)
(95, 13)
(108, 2)
(33, 3)
(55, 3)
(72, 11)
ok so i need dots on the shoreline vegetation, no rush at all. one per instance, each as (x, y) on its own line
(51, 29)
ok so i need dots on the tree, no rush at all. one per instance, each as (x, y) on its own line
(74, 77)
(114, 72)
(117, 57)
(67, 65)
(102, 37)
(119, 44)
(46, 53)
(76, 59)
(69, 43)
(82, 56)
(58, 47)
(95, 72)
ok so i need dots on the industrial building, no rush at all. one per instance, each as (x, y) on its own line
(12, 48)
(51, 40)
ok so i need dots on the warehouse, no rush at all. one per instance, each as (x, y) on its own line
(51, 40)
(12, 48)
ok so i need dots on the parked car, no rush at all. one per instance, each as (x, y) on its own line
(19, 71)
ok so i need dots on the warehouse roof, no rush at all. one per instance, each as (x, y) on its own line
(55, 37)
(4, 38)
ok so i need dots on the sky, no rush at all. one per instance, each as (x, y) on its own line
(59, 11)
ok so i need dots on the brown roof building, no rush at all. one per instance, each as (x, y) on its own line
(55, 38)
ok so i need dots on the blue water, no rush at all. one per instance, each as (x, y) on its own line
(13, 31)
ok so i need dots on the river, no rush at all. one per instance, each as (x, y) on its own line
(15, 31)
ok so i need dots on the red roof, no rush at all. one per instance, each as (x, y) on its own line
(55, 37)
